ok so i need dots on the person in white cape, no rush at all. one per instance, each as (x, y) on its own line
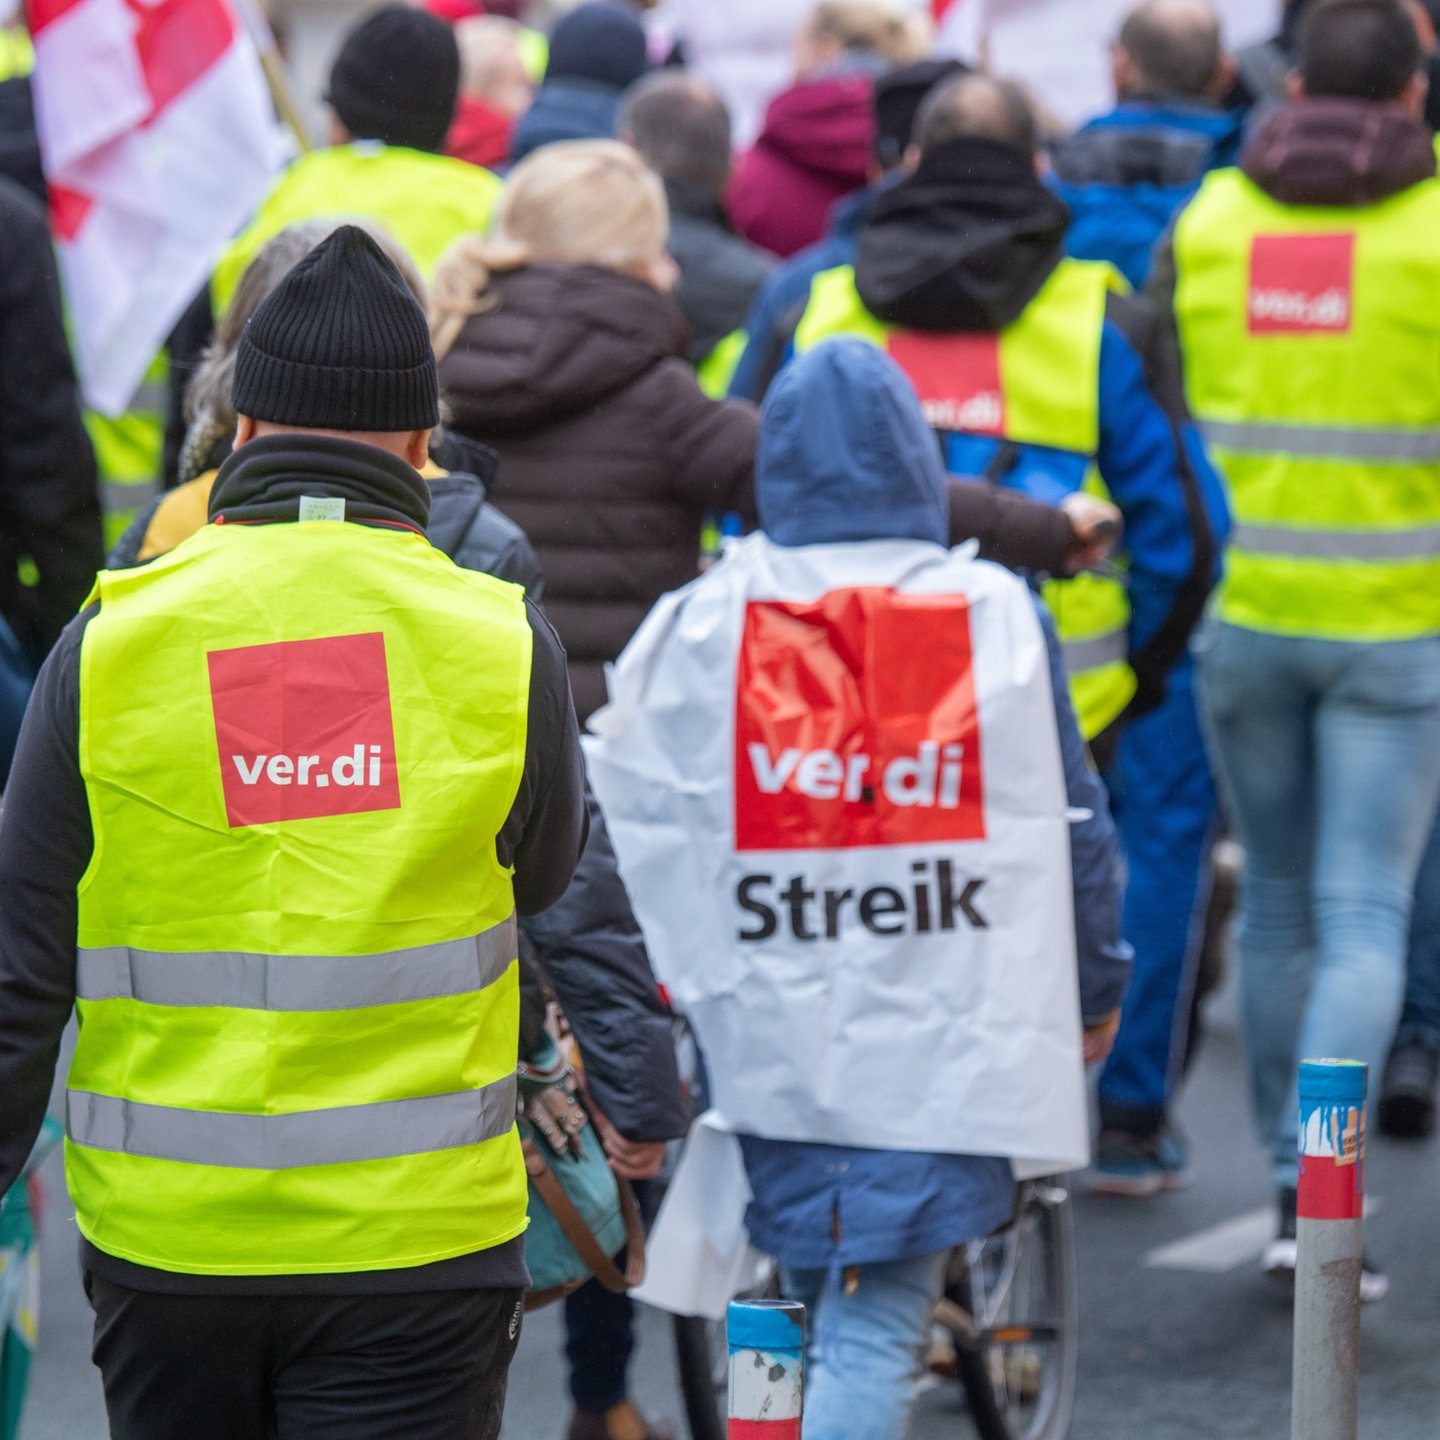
(851, 803)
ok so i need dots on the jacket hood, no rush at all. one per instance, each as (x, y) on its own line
(566, 110)
(826, 126)
(1151, 142)
(963, 244)
(1338, 152)
(555, 340)
(845, 453)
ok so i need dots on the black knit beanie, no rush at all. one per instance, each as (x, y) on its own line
(599, 42)
(396, 79)
(339, 344)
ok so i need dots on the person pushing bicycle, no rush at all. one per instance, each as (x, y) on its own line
(852, 804)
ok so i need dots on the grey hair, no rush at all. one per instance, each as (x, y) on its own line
(680, 126)
(1174, 46)
(976, 105)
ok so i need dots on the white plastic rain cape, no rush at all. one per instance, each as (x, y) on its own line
(834, 783)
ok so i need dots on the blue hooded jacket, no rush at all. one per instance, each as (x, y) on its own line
(596, 52)
(1126, 174)
(845, 455)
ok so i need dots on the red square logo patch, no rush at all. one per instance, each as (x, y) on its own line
(304, 729)
(856, 724)
(1301, 284)
(957, 378)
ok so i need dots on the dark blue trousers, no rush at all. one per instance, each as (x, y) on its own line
(1164, 800)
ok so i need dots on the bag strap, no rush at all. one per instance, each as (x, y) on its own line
(580, 1235)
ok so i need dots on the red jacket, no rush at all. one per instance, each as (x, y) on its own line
(815, 148)
(479, 133)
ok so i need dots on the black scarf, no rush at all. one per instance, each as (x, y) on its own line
(265, 480)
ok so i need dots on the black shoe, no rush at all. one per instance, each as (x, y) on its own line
(1407, 1092)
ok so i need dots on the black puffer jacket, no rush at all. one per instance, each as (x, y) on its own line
(610, 455)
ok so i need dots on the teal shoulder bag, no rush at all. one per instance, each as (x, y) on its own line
(581, 1213)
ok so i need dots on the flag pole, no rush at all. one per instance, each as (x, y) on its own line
(280, 93)
(281, 96)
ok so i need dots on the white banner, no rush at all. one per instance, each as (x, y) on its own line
(834, 783)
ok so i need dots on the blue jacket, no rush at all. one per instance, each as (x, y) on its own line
(1125, 174)
(845, 454)
(566, 109)
(963, 243)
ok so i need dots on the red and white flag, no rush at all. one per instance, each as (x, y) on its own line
(159, 142)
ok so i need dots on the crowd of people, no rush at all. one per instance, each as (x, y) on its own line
(529, 312)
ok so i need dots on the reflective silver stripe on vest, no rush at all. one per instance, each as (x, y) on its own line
(242, 981)
(1107, 649)
(1421, 543)
(1322, 442)
(284, 1142)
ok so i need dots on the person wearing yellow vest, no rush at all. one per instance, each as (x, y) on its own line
(392, 96)
(1302, 287)
(286, 789)
(1041, 376)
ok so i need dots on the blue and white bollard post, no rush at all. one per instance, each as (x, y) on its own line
(1330, 1241)
(767, 1369)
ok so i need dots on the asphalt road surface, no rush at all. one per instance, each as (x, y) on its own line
(1180, 1334)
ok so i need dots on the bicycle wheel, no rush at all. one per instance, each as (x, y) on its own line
(702, 1358)
(1012, 1312)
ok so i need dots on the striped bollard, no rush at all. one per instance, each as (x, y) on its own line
(1329, 1244)
(767, 1369)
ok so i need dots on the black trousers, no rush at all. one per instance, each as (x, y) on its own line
(249, 1367)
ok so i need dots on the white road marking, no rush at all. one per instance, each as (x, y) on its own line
(1224, 1246)
(1220, 1247)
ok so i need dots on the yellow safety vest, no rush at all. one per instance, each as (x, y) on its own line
(425, 201)
(130, 451)
(1043, 388)
(717, 369)
(296, 974)
(17, 53)
(1310, 338)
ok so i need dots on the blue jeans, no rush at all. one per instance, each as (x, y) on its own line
(865, 1348)
(1328, 755)
(1420, 1019)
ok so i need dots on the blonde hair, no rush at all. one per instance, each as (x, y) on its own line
(484, 41)
(877, 26)
(576, 202)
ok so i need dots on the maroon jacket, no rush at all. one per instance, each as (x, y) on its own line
(610, 454)
(815, 148)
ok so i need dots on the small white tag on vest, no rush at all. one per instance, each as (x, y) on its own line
(322, 507)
